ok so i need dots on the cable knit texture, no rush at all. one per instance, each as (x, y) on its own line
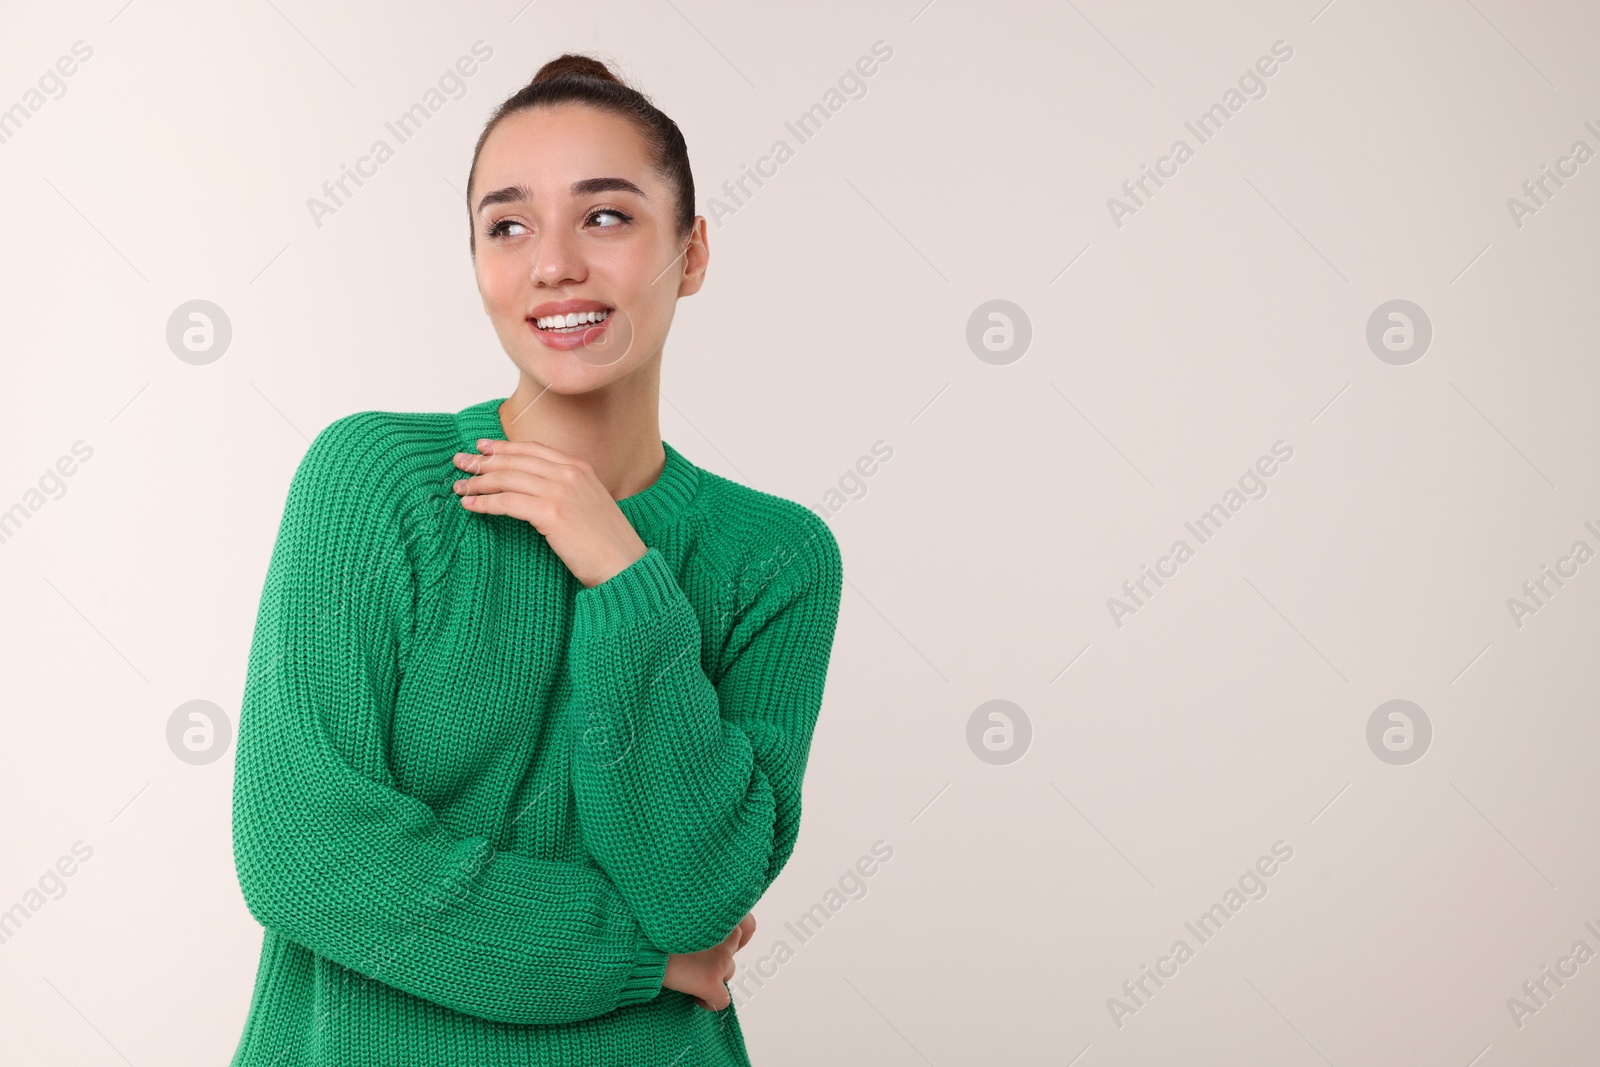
(477, 804)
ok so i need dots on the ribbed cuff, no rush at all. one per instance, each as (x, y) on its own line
(636, 592)
(645, 980)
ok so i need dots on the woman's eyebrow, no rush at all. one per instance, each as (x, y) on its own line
(583, 187)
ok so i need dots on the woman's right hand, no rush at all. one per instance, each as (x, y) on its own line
(702, 974)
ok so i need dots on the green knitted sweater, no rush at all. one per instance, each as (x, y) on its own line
(476, 804)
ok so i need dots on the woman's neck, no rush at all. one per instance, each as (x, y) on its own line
(617, 431)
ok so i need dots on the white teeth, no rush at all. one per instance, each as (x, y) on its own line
(576, 318)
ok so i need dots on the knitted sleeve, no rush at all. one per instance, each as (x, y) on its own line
(330, 854)
(688, 791)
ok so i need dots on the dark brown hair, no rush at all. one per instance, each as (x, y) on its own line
(574, 78)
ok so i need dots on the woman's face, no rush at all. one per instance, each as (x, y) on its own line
(576, 215)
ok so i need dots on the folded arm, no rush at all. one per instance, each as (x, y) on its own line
(688, 790)
(333, 856)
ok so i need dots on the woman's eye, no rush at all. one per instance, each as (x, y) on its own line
(498, 229)
(613, 213)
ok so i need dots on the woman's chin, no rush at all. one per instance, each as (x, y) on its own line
(564, 373)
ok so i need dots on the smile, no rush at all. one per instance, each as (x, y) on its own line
(572, 322)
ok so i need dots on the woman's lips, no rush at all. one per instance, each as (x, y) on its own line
(566, 341)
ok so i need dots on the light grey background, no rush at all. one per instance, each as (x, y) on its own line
(1168, 354)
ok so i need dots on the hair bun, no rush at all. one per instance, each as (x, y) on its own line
(573, 64)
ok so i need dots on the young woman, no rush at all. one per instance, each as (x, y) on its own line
(530, 694)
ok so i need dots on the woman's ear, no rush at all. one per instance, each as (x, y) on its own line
(695, 259)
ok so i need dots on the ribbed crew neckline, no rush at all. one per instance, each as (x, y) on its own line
(660, 503)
